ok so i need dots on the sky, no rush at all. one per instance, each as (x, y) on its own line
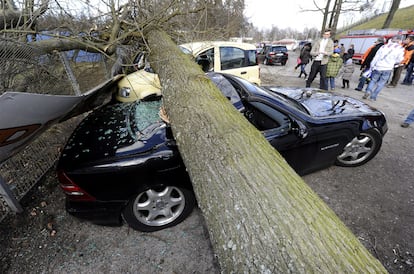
(265, 13)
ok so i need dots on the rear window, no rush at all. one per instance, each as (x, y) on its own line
(279, 48)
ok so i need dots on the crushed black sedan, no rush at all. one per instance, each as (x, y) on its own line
(122, 163)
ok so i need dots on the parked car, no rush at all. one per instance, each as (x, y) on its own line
(122, 159)
(220, 56)
(273, 54)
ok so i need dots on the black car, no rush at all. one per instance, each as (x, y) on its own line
(273, 54)
(122, 159)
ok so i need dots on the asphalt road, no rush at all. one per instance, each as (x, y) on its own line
(376, 200)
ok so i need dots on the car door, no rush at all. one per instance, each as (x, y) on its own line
(261, 55)
(237, 61)
(294, 141)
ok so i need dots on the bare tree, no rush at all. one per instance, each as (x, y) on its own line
(333, 9)
(394, 7)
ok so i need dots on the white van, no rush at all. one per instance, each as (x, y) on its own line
(220, 56)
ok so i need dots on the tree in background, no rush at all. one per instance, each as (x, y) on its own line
(394, 7)
(34, 30)
(333, 9)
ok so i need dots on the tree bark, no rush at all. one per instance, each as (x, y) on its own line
(394, 7)
(261, 216)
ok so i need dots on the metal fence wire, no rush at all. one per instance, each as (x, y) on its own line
(22, 171)
(25, 68)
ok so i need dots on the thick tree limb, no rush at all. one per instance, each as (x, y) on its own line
(261, 216)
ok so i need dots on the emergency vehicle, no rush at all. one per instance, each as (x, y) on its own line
(363, 39)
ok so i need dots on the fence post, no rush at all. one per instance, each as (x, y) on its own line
(70, 73)
(8, 196)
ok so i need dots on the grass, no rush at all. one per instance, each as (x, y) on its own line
(403, 19)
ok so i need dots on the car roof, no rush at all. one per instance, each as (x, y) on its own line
(196, 47)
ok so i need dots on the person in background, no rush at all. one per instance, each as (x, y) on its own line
(336, 45)
(305, 57)
(409, 119)
(350, 51)
(321, 51)
(408, 79)
(334, 65)
(347, 70)
(342, 47)
(408, 45)
(366, 61)
(382, 65)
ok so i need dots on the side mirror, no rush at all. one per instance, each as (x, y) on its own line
(300, 129)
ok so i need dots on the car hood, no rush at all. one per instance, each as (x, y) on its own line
(115, 130)
(321, 103)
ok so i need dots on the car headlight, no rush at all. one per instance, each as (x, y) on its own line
(125, 92)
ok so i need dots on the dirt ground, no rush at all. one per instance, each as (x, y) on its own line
(376, 201)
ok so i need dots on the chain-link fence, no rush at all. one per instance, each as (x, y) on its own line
(22, 171)
(25, 68)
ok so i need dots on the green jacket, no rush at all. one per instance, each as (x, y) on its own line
(334, 65)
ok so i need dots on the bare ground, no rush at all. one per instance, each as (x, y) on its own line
(375, 201)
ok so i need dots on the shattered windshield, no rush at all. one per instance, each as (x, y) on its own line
(144, 114)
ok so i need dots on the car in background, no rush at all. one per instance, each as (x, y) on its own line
(234, 58)
(273, 54)
(122, 162)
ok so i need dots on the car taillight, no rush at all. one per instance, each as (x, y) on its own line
(72, 190)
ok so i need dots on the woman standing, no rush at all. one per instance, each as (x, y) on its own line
(304, 59)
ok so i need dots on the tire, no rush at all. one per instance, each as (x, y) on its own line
(158, 208)
(361, 149)
(265, 61)
(283, 63)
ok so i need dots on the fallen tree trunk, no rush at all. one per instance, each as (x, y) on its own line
(261, 216)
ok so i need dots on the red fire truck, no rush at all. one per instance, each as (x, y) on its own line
(363, 39)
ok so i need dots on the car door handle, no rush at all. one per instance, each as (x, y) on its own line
(243, 72)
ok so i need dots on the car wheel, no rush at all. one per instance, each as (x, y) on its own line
(283, 63)
(158, 208)
(361, 149)
(265, 61)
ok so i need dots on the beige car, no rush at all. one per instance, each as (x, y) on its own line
(228, 57)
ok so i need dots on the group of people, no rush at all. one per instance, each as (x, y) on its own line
(379, 62)
(329, 60)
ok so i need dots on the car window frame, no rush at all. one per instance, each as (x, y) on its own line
(205, 58)
(274, 114)
(235, 61)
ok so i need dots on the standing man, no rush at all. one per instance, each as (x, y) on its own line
(321, 51)
(408, 79)
(409, 119)
(382, 65)
(366, 61)
(408, 45)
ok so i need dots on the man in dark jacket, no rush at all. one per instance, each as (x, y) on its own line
(366, 62)
(408, 79)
